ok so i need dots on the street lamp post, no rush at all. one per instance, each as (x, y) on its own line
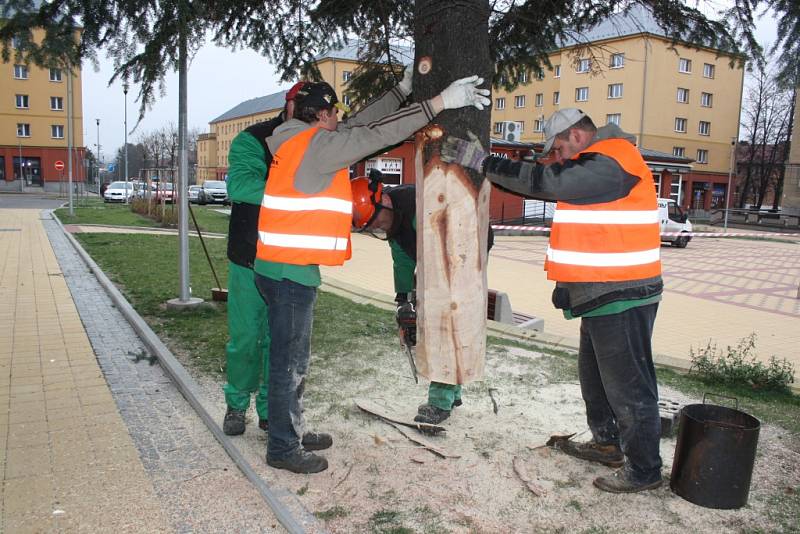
(125, 90)
(728, 190)
(99, 159)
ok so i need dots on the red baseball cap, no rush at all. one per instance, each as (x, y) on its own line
(291, 93)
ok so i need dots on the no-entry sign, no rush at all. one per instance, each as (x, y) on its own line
(59, 165)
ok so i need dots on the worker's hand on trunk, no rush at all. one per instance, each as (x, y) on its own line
(465, 92)
(408, 78)
(465, 153)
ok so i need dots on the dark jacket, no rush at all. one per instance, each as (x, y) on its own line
(589, 179)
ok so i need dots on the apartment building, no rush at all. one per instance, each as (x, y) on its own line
(681, 103)
(790, 203)
(33, 126)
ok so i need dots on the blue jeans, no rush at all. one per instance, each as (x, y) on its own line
(291, 314)
(618, 383)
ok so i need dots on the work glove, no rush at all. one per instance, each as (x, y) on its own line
(408, 79)
(406, 316)
(465, 92)
(468, 154)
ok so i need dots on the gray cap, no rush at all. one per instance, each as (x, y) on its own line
(559, 122)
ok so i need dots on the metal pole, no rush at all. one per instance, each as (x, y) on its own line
(99, 159)
(69, 137)
(183, 175)
(21, 174)
(728, 190)
(125, 90)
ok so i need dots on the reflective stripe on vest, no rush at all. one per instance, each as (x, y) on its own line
(611, 241)
(300, 228)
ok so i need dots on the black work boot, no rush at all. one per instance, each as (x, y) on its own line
(316, 441)
(431, 415)
(263, 424)
(233, 424)
(610, 455)
(300, 461)
(624, 481)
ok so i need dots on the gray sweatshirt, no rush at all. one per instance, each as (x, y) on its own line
(378, 125)
(589, 179)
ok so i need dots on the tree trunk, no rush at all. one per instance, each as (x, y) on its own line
(776, 203)
(452, 202)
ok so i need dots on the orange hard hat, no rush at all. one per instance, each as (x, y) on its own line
(366, 195)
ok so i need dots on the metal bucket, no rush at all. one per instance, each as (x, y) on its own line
(714, 455)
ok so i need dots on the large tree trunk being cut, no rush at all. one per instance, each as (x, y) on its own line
(452, 202)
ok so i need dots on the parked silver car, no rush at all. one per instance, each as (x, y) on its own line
(216, 191)
(197, 195)
(116, 192)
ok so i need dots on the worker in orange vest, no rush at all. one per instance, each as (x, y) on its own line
(305, 222)
(604, 255)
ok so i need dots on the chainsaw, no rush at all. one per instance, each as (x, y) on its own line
(407, 322)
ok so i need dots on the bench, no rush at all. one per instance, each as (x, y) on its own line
(498, 309)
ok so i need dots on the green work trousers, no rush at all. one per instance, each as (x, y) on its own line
(443, 395)
(247, 351)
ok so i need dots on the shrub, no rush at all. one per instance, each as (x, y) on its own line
(738, 366)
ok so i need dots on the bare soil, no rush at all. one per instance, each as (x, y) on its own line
(379, 481)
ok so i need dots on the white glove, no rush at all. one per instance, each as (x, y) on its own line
(408, 78)
(465, 92)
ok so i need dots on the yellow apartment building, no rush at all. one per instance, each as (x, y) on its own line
(681, 103)
(33, 126)
(790, 202)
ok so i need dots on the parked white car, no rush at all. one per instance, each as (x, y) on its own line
(118, 192)
(197, 195)
(673, 220)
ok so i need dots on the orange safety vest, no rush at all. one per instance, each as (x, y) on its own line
(612, 241)
(300, 228)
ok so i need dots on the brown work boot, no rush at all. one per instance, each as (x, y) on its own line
(427, 413)
(624, 481)
(610, 455)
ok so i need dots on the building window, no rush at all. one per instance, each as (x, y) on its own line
(57, 103)
(23, 129)
(613, 118)
(704, 128)
(683, 95)
(556, 98)
(685, 65)
(519, 101)
(538, 125)
(615, 90)
(55, 75)
(523, 76)
(540, 76)
(584, 65)
(581, 94)
(680, 125)
(539, 100)
(57, 131)
(498, 127)
(706, 99)
(708, 70)
(557, 71)
(20, 72)
(678, 151)
(657, 182)
(346, 75)
(22, 102)
(617, 61)
(702, 155)
(346, 100)
(499, 103)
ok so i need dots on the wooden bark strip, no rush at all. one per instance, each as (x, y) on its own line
(452, 219)
(379, 412)
(532, 486)
(425, 443)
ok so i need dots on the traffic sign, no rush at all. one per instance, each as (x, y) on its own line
(111, 167)
(59, 165)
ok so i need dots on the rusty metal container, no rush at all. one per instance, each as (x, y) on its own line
(714, 455)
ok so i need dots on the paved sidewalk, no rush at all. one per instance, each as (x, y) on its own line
(95, 436)
(717, 289)
(68, 461)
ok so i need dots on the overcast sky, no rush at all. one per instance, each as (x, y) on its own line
(218, 80)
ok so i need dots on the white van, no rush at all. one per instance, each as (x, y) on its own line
(674, 220)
